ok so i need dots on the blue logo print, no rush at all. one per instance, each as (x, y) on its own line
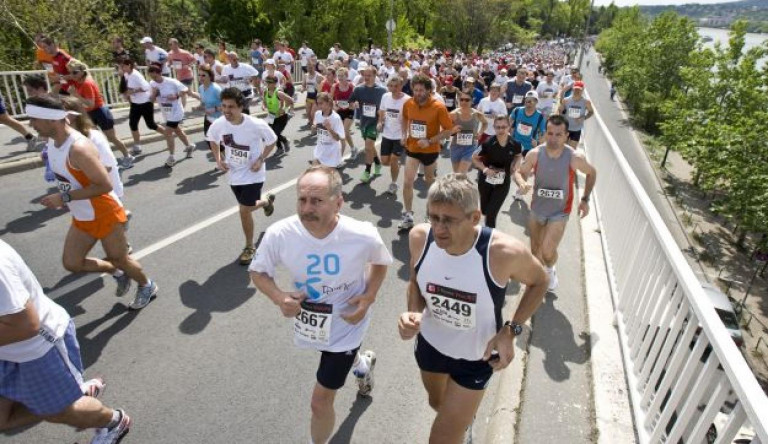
(328, 264)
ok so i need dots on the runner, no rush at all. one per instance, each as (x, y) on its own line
(40, 363)
(516, 89)
(554, 165)
(529, 127)
(426, 123)
(17, 126)
(169, 93)
(330, 131)
(305, 53)
(138, 92)
(155, 54)
(468, 123)
(210, 61)
(241, 76)
(97, 213)
(209, 95)
(311, 84)
(59, 60)
(247, 141)
(85, 89)
(324, 249)
(491, 107)
(449, 92)
(576, 109)
(546, 91)
(391, 128)
(181, 60)
(341, 92)
(495, 161)
(277, 103)
(367, 98)
(459, 276)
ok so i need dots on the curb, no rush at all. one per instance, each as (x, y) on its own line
(32, 162)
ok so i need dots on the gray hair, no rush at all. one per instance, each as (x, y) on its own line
(334, 178)
(455, 189)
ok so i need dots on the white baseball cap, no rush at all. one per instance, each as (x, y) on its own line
(532, 95)
(146, 40)
(270, 62)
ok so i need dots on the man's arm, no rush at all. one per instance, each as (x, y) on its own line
(19, 326)
(579, 162)
(365, 300)
(84, 156)
(525, 169)
(590, 110)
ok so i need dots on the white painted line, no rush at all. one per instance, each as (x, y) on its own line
(162, 243)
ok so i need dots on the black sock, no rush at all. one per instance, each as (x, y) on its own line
(376, 160)
(29, 136)
(367, 167)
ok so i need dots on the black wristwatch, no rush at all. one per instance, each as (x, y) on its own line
(516, 328)
(585, 199)
(65, 197)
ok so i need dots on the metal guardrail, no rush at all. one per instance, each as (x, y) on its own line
(107, 78)
(682, 367)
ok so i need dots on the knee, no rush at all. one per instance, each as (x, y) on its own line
(548, 255)
(435, 401)
(322, 405)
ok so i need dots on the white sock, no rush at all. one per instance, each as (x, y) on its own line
(118, 272)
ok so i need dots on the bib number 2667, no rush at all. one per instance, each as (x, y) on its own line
(313, 323)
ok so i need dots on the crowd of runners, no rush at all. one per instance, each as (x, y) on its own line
(513, 116)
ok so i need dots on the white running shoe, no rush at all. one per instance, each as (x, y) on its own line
(392, 188)
(518, 195)
(552, 278)
(188, 151)
(136, 150)
(363, 371)
(170, 162)
(116, 433)
(127, 162)
(407, 222)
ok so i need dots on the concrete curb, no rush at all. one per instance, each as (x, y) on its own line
(32, 162)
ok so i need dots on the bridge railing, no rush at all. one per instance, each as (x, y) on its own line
(684, 371)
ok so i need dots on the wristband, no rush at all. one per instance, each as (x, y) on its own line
(585, 199)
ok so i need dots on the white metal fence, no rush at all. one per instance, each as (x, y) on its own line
(12, 90)
(684, 371)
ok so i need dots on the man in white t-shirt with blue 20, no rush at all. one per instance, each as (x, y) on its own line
(247, 141)
(337, 265)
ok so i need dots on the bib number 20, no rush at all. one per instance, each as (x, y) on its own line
(328, 264)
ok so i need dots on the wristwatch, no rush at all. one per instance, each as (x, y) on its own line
(65, 197)
(516, 328)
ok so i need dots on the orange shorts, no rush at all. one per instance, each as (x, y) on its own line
(102, 226)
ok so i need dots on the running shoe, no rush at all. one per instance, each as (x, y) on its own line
(127, 162)
(552, 272)
(518, 195)
(143, 296)
(377, 169)
(392, 188)
(170, 162)
(115, 434)
(286, 146)
(32, 144)
(407, 222)
(247, 255)
(93, 387)
(136, 150)
(365, 177)
(269, 208)
(123, 284)
(353, 152)
(189, 150)
(364, 372)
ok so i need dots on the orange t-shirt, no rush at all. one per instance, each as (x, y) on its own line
(43, 57)
(90, 91)
(424, 122)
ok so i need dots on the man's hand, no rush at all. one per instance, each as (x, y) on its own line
(409, 324)
(222, 165)
(290, 305)
(362, 303)
(504, 344)
(525, 188)
(257, 164)
(52, 201)
(423, 143)
(583, 209)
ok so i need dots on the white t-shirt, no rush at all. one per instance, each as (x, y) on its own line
(243, 143)
(330, 271)
(305, 54)
(546, 94)
(491, 110)
(286, 57)
(17, 287)
(328, 149)
(240, 77)
(135, 80)
(108, 159)
(275, 73)
(158, 55)
(393, 113)
(501, 81)
(169, 106)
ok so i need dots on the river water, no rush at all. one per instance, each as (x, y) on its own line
(721, 35)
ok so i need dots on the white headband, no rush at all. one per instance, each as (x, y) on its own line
(38, 112)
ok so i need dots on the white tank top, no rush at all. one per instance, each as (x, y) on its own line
(69, 178)
(463, 301)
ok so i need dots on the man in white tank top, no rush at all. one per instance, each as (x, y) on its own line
(337, 265)
(85, 188)
(459, 275)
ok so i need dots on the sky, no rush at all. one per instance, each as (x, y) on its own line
(621, 3)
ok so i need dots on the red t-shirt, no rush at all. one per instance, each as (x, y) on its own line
(59, 63)
(90, 91)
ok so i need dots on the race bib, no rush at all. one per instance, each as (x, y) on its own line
(270, 118)
(465, 138)
(524, 129)
(550, 194)
(452, 308)
(418, 130)
(177, 64)
(238, 157)
(496, 179)
(392, 116)
(449, 103)
(313, 323)
(324, 136)
(517, 98)
(166, 109)
(311, 88)
(342, 104)
(574, 113)
(241, 84)
(369, 110)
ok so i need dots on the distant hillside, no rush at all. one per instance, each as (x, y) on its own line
(720, 15)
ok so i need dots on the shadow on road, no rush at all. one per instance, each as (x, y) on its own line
(201, 182)
(160, 172)
(557, 341)
(224, 291)
(519, 214)
(31, 221)
(344, 434)
(92, 347)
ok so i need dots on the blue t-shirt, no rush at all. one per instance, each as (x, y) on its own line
(256, 58)
(477, 96)
(526, 128)
(211, 99)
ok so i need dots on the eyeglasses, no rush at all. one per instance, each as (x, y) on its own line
(500, 128)
(446, 221)
(464, 99)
